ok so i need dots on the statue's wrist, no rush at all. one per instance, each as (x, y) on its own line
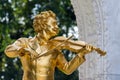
(20, 51)
(81, 54)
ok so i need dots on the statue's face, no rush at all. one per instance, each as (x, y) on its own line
(45, 25)
(52, 27)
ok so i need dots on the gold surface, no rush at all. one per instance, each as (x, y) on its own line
(41, 54)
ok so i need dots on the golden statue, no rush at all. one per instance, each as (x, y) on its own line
(41, 54)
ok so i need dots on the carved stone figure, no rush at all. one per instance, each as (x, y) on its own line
(41, 54)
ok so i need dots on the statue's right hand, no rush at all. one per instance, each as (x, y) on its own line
(23, 51)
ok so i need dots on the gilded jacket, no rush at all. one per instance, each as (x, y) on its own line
(43, 67)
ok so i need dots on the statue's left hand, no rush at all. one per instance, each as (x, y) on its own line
(86, 49)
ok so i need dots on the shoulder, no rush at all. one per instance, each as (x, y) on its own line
(55, 42)
(21, 40)
(59, 38)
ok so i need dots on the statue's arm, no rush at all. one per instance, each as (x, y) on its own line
(71, 66)
(13, 50)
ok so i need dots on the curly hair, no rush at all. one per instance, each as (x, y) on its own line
(40, 20)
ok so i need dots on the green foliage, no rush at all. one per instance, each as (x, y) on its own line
(16, 18)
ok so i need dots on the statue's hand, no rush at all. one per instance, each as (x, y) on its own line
(23, 51)
(86, 49)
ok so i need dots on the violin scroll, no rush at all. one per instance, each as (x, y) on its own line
(101, 52)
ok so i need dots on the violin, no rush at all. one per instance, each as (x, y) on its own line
(78, 44)
(66, 43)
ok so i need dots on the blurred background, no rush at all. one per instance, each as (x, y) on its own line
(16, 18)
(98, 23)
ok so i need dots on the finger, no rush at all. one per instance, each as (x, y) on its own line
(88, 47)
(26, 49)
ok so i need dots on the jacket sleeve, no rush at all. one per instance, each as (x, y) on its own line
(69, 67)
(13, 49)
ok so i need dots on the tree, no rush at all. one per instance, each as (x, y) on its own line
(16, 21)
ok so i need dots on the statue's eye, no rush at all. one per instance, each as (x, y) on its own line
(54, 23)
